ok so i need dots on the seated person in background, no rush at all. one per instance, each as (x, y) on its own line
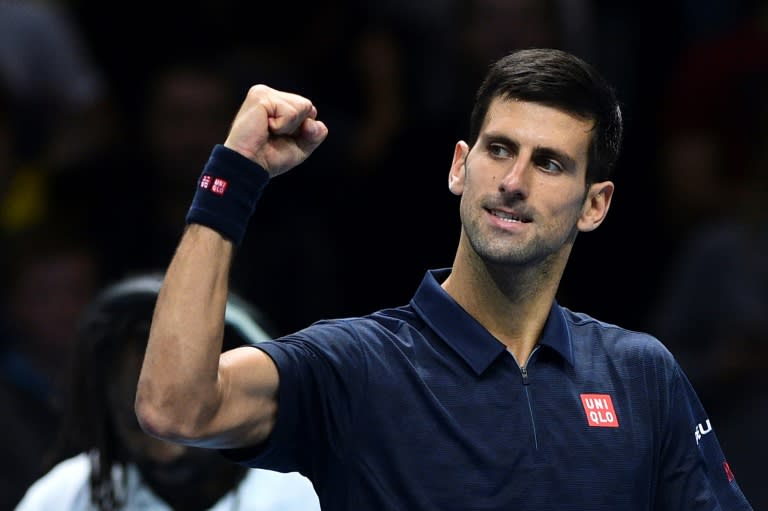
(110, 462)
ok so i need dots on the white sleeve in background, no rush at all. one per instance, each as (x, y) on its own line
(65, 487)
(265, 490)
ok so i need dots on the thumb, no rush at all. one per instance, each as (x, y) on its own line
(311, 134)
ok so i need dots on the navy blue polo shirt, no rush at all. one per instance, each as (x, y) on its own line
(420, 408)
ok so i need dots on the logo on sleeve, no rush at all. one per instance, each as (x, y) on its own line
(600, 411)
(728, 471)
(699, 431)
(215, 185)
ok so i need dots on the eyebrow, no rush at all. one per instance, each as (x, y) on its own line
(547, 152)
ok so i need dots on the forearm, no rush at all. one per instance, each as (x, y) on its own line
(178, 388)
(187, 392)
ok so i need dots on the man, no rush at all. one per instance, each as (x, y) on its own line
(482, 393)
(107, 462)
(51, 273)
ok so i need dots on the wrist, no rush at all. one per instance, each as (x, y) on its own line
(242, 151)
(227, 192)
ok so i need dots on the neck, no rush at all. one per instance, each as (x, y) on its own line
(511, 302)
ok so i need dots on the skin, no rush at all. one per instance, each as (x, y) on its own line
(185, 477)
(529, 161)
(187, 392)
(120, 391)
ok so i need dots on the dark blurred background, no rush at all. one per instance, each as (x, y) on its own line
(109, 110)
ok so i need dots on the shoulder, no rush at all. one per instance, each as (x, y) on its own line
(60, 487)
(380, 327)
(357, 344)
(380, 322)
(621, 345)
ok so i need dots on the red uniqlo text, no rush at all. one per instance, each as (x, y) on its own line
(219, 186)
(600, 411)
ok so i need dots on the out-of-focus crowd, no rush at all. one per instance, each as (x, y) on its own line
(108, 112)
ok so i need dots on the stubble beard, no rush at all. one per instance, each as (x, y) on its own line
(517, 254)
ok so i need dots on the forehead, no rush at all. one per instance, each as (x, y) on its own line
(537, 125)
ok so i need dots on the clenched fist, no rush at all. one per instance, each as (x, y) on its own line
(276, 130)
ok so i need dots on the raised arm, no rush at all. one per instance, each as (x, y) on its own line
(188, 392)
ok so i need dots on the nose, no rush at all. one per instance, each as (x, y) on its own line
(515, 180)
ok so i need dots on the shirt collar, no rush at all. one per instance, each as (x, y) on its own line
(469, 338)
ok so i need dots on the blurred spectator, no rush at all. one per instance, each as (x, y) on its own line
(712, 314)
(706, 119)
(43, 54)
(59, 111)
(187, 103)
(49, 277)
(112, 191)
(711, 307)
(108, 462)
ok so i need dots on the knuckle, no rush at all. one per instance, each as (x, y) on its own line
(258, 90)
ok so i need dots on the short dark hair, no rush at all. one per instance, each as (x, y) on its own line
(561, 80)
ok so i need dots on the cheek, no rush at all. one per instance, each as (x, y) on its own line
(467, 205)
(567, 208)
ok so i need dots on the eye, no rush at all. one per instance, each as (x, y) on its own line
(550, 165)
(499, 151)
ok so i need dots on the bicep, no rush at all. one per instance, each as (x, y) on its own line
(248, 383)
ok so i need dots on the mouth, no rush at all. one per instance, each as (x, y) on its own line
(510, 216)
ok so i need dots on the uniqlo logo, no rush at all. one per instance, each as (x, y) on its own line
(600, 411)
(219, 186)
(216, 185)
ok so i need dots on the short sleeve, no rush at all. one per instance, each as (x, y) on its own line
(321, 369)
(694, 472)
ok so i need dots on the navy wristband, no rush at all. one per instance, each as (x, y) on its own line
(227, 192)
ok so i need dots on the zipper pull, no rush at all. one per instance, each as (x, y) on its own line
(524, 372)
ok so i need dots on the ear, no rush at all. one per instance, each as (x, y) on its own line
(596, 206)
(458, 169)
